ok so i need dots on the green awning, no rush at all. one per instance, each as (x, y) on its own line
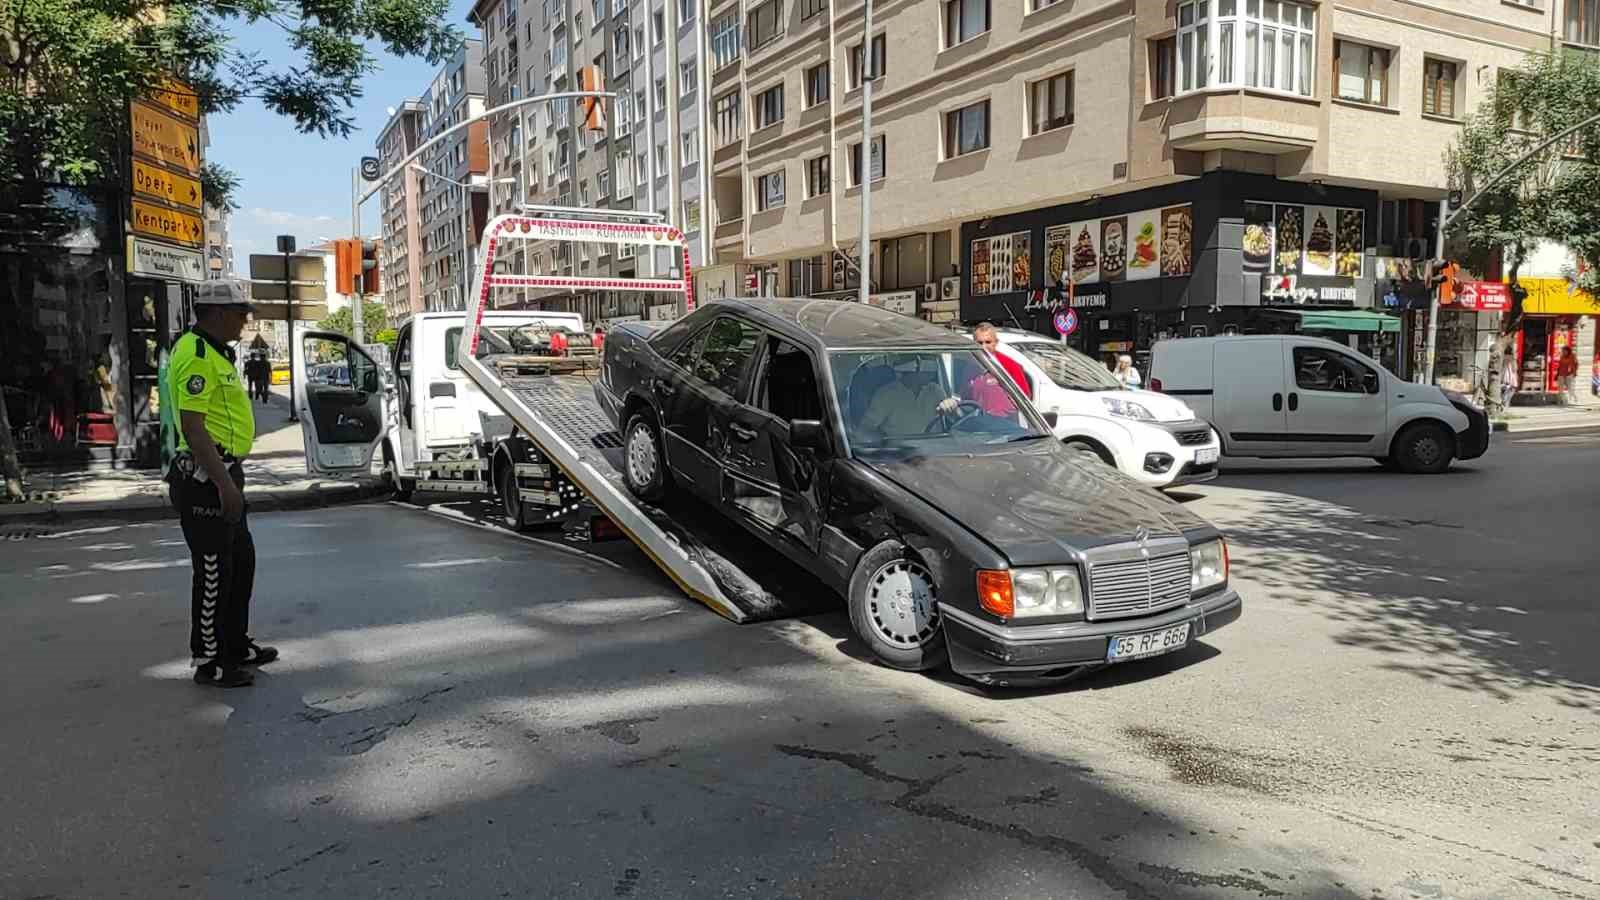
(1343, 320)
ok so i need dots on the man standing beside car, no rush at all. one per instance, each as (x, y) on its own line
(983, 388)
(216, 431)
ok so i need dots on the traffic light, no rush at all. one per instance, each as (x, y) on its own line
(590, 78)
(1442, 276)
(355, 266)
(369, 266)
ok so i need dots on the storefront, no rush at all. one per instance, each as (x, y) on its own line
(1556, 316)
(1224, 253)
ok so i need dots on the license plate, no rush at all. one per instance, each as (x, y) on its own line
(1148, 643)
(1206, 455)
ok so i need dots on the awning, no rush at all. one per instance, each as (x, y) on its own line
(1342, 320)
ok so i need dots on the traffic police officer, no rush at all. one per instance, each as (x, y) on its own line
(216, 429)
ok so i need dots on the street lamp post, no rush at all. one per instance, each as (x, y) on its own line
(466, 223)
(869, 74)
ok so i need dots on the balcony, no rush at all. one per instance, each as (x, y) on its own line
(1239, 120)
(729, 231)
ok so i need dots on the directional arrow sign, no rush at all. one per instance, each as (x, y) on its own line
(177, 97)
(167, 224)
(162, 138)
(153, 181)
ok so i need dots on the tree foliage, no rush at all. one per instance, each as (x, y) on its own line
(375, 321)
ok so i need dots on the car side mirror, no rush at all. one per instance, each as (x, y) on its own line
(1050, 418)
(807, 434)
(369, 381)
(1370, 382)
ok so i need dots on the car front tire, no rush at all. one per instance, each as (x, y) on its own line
(644, 466)
(894, 609)
(1424, 448)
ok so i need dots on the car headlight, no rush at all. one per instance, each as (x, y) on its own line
(1127, 409)
(1208, 565)
(1031, 593)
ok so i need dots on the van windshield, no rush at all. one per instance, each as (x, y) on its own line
(1067, 367)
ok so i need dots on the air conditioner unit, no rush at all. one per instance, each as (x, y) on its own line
(950, 288)
(930, 292)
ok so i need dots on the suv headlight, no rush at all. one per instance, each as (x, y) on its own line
(1208, 565)
(1032, 592)
(1127, 409)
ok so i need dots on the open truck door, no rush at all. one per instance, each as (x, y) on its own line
(342, 406)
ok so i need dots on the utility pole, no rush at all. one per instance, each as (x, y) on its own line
(358, 311)
(869, 74)
(286, 247)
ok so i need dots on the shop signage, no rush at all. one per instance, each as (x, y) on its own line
(903, 302)
(1002, 265)
(168, 263)
(1293, 239)
(1045, 301)
(1557, 296)
(1306, 290)
(1484, 296)
(1145, 244)
(1066, 322)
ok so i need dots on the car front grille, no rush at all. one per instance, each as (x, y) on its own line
(1193, 438)
(1129, 583)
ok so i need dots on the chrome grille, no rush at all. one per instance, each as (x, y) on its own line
(1193, 438)
(1125, 582)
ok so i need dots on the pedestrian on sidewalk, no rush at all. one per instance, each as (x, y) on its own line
(1508, 378)
(216, 430)
(1567, 375)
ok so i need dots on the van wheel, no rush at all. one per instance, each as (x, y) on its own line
(511, 501)
(1424, 448)
(402, 487)
(894, 609)
(1086, 447)
(643, 464)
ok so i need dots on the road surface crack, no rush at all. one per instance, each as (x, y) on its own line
(335, 847)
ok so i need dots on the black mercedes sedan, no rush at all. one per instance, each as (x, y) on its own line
(898, 462)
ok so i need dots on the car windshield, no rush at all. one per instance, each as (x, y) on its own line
(1067, 367)
(927, 403)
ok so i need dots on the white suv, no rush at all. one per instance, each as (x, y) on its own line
(1150, 437)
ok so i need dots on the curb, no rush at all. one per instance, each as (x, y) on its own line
(151, 508)
(1503, 426)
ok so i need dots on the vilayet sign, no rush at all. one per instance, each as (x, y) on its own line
(1304, 290)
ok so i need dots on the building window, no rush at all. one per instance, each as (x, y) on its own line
(639, 106)
(876, 162)
(766, 24)
(661, 160)
(809, 8)
(638, 42)
(726, 116)
(1438, 88)
(769, 107)
(690, 146)
(691, 215)
(880, 60)
(725, 40)
(599, 10)
(1163, 68)
(1507, 89)
(966, 130)
(661, 92)
(603, 180)
(1253, 43)
(658, 21)
(817, 85)
(583, 192)
(1362, 72)
(624, 113)
(769, 191)
(686, 78)
(1050, 103)
(1583, 22)
(685, 11)
(818, 181)
(964, 20)
(619, 42)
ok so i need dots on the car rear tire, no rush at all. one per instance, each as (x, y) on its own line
(1424, 448)
(1085, 447)
(643, 464)
(894, 609)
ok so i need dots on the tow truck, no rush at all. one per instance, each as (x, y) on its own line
(526, 423)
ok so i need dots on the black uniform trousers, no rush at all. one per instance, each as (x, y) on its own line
(224, 560)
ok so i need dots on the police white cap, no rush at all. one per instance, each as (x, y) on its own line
(228, 292)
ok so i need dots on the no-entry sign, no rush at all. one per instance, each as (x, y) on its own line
(1066, 321)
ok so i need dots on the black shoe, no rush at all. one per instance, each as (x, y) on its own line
(219, 675)
(257, 655)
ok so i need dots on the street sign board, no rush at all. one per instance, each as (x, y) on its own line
(177, 97)
(1484, 296)
(274, 290)
(164, 138)
(161, 184)
(303, 268)
(163, 261)
(277, 310)
(167, 224)
(370, 168)
(1066, 321)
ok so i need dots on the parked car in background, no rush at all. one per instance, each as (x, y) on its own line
(959, 530)
(1154, 439)
(1290, 395)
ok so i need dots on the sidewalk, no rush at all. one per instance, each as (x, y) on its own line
(1583, 414)
(275, 478)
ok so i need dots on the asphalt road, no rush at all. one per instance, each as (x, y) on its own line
(1407, 709)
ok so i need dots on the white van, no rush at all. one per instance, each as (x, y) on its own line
(1289, 395)
(1151, 438)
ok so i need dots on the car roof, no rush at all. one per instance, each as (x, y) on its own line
(843, 324)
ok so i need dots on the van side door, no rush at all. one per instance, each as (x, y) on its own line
(1248, 390)
(1336, 405)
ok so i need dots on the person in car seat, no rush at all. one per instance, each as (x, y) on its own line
(906, 404)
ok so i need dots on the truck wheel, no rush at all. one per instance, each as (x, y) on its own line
(643, 463)
(1424, 448)
(894, 609)
(402, 487)
(510, 500)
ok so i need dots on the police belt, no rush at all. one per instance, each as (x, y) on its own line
(184, 465)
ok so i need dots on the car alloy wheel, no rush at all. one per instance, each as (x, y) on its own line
(642, 458)
(902, 604)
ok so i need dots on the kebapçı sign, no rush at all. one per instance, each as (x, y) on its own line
(163, 261)
(1301, 290)
(1046, 301)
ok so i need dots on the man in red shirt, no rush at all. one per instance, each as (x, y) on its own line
(989, 339)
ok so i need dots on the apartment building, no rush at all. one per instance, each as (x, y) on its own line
(219, 247)
(456, 167)
(400, 259)
(647, 156)
(1163, 169)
